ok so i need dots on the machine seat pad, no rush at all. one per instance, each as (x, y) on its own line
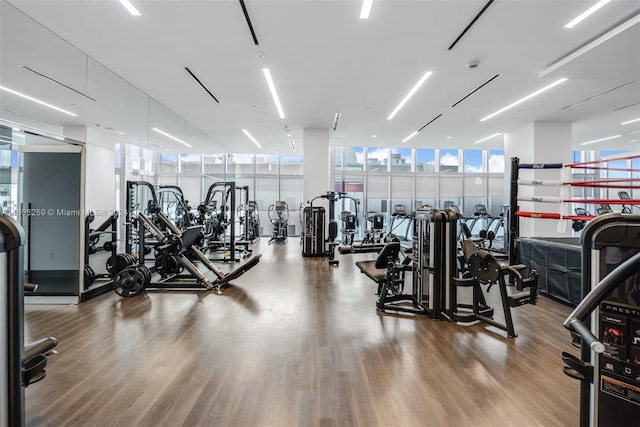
(378, 275)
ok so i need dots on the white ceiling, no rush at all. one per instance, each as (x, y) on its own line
(324, 60)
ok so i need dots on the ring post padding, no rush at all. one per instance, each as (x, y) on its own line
(540, 166)
(12, 238)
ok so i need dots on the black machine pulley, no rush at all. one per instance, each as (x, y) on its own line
(484, 267)
(130, 281)
(89, 276)
(107, 246)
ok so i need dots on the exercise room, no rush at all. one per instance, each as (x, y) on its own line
(320, 213)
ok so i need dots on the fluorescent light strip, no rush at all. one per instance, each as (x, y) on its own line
(246, 132)
(635, 131)
(538, 92)
(132, 10)
(631, 121)
(410, 136)
(601, 139)
(38, 131)
(487, 138)
(274, 94)
(37, 100)
(584, 15)
(366, 9)
(171, 137)
(413, 90)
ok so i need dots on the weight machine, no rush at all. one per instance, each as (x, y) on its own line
(437, 279)
(607, 321)
(175, 251)
(171, 201)
(249, 216)
(313, 238)
(222, 237)
(20, 365)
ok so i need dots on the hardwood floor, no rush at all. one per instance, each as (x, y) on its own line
(294, 342)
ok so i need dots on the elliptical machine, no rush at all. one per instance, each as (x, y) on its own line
(279, 216)
(375, 234)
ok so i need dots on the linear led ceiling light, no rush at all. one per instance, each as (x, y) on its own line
(366, 9)
(132, 10)
(586, 13)
(601, 139)
(274, 94)
(246, 132)
(487, 138)
(336, 120)
(410, 136)
(413, 90)
(526, 98)
(37, 100)
(631, 121)
(171, 137)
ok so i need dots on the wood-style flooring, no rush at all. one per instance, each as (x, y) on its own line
(294, 342)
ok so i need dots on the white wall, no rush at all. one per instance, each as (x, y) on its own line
(100, 183)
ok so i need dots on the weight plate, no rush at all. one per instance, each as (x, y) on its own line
(89, 276)
(129, 282)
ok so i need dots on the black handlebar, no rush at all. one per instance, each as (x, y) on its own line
(575, 321)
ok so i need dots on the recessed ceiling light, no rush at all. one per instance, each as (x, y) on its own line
(631, 121)
(410, 136)
(487, 138)
(633, 140)
(246, 132)
(413, 90)
(526, 98)
(601, 139)
(120, 133)
(274, 94)
(132, 10)
(635, 131)
(366, 9)
(30, 98)
(586, 13)
(448, 137)
(161, 132)
(373, 136)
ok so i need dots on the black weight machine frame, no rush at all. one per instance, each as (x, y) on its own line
(228, 206)
(91, 238)
(332, 197)
(184, 204)
(195, 280)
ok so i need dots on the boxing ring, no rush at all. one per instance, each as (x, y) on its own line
(558, 259)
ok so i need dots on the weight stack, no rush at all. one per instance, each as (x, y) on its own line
(313, 232)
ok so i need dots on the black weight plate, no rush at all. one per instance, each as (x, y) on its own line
(89, 276)
(128, 282)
